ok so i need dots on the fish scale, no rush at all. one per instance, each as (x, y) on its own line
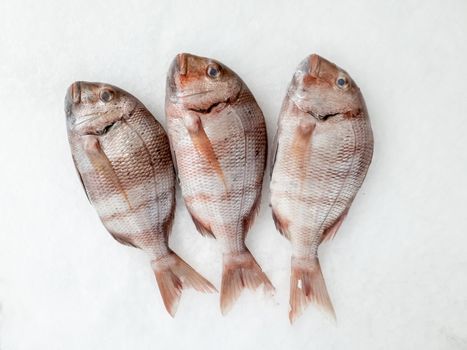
(323, 150)
(122, 155)
(232, 155)
(218, 136)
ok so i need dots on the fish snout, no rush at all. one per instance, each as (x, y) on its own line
(73, 95)
(182, 60)
(179, 65)
(313, 65)
(310, 66)
(177, 70)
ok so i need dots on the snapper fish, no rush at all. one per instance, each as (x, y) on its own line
(323, 148)
(218, 135)
(123, 159)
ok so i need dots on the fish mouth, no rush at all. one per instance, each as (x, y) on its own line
(323, 117)
(103, 130)
(216, 106)
(220, 105)
(83, 128)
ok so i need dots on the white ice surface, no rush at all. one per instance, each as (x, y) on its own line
(396, 271)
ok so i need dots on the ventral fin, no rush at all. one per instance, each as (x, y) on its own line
(282, 225)
(202, 227)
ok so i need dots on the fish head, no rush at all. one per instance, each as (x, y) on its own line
(92, 108)
(322, 89)
(199, 83)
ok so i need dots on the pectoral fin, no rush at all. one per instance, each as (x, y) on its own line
(102, 164)
(203, 144)
(301, 142)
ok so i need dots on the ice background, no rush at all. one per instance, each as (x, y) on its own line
(396, 271)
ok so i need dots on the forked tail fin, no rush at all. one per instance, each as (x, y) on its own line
(307, 285)
(241, 271)
(173, 275)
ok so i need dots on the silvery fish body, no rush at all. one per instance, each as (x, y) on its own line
(218, 135)
(324, 146)
(123, 158)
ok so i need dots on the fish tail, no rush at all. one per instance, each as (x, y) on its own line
(173, 275)
(241, 271)
(307, 285)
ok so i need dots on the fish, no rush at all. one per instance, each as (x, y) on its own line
(122, 156)
(218, 136)
(321, 153)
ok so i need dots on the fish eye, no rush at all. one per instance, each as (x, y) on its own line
(106, 95)
(213, 71)
(341, 82)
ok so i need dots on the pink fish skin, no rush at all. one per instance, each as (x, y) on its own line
(323, 148)
(218, 135)
(123, 159)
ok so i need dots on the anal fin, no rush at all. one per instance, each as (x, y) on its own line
(122, 239)
(332, 230)
(250, 218)
(202, 228)
(282, 225)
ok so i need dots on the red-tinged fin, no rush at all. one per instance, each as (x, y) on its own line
(202, 228)
(306, 286)
(301, 142)
(282, 225)
(203, 144)
(102, 164)
(173, 275)
(241, 271)
(250, 218)
(122, 239)
(331, 231)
